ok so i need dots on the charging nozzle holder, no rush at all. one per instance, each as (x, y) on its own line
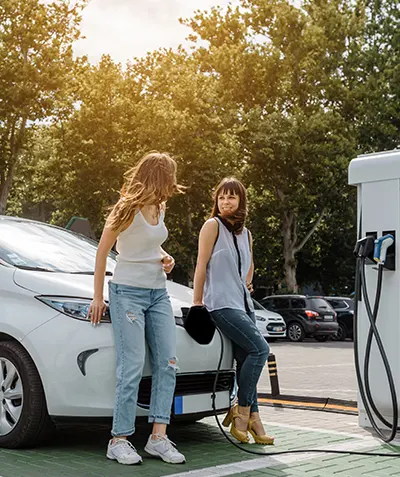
(364, 247)
(374, 250)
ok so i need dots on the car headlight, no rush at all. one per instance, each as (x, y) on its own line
(77, 308)
(260, 318)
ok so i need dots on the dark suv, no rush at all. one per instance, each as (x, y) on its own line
(304, 316)
(344, 308)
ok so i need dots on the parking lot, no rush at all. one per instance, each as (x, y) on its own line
(307, 369)
(314, 369)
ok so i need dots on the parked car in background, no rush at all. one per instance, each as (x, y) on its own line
(344, 307)
(271, 325)
(55, 366)
(304, 316)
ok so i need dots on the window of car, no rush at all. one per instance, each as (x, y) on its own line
(319, 303)
(281, 303)
(257, 306)
(32, 245)
(298, 303)
(338, 304)
(267, 303)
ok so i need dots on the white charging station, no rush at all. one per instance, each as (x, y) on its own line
(377, 177)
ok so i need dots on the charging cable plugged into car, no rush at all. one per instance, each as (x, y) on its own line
(380, 252)
(200, 326)
(377, 177)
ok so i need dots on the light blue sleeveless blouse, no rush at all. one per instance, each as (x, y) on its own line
(224, 286)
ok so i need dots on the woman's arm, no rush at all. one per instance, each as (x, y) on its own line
(250, 273)
(107, 240)
(207, 238)
(168, 262)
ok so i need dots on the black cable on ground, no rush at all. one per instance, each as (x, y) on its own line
(295, 451)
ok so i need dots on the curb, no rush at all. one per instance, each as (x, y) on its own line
(309, 403)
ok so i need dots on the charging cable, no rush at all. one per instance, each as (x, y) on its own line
(362, 251)
(295, 451)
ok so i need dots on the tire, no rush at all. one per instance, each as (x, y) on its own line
(24, 420)
(296, 332)
(341, 333)
(321, 338)
(187, 422)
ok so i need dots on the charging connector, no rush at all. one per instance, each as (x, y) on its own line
(381, 246)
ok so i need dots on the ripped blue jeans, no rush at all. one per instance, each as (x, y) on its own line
(141, 315)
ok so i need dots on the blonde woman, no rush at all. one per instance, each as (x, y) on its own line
(140, 307)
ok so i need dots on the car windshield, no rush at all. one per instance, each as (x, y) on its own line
(35, 246)
(257, 306)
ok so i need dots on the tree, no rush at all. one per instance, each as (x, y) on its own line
(161, 102)
(282, 67)
(35, 61)
(179, 112)
(373, 76)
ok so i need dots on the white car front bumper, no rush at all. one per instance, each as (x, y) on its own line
(76, 363)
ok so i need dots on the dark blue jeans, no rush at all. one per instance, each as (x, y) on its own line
(250, 351)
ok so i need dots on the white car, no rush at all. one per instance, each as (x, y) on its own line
(54, 365)
(271, 324)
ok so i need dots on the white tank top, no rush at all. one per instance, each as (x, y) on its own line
(139, 248)
(224, 286)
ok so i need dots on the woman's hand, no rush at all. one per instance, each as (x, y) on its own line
(249, 286)
(198, 303)
(168, 263)
(96, 310)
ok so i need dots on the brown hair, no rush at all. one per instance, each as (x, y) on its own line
(151, 182)
(230, 185)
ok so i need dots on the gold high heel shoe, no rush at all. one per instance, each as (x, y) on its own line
(233, 414)
(264, 439)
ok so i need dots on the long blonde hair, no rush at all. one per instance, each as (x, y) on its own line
(151, 182)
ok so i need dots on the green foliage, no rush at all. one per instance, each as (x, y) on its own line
(281, 68)
(36, 60)
(280, 94)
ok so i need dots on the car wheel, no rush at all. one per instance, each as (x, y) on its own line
(24, 420)
(341, 333)
(295, 332)
(187, 421)
(321, 338)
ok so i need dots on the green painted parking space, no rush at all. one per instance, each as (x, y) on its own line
(337, 466)
(82, 453)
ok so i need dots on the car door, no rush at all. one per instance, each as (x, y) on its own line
(297, 309)
(282, 306)
(345, 313)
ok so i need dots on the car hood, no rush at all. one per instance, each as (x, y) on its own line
(81, 286)
(269, 315)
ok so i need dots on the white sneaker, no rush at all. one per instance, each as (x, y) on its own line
(123, 452)
(165, 449)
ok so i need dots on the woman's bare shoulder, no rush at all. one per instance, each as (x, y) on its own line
(210, 228)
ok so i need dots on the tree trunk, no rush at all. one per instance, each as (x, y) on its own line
(16, 131)
(5, 187)
(291, 243)
(290, 273)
